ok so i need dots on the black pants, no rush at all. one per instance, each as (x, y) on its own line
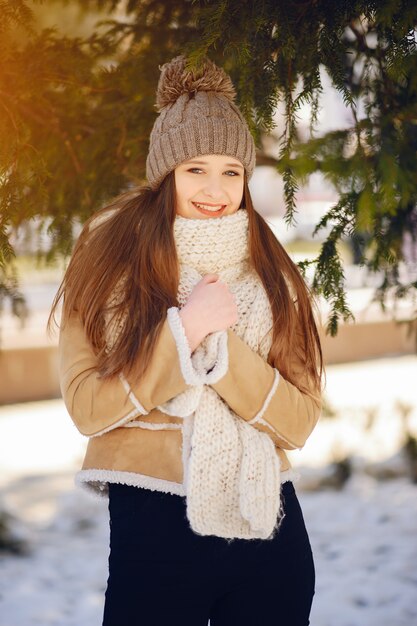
(161, 573)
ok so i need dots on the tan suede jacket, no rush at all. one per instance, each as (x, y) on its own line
(132, 441)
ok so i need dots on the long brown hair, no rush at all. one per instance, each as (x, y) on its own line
(124, 271)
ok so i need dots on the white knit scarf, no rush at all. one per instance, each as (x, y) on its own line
(231, 469)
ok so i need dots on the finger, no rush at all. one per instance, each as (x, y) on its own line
(210, 278)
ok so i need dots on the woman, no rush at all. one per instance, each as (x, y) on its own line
(190, 357)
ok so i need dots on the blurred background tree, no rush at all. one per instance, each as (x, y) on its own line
(77, 108)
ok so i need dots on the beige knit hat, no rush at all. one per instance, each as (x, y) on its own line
(197, 116)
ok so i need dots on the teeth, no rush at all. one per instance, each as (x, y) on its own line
(208, 208)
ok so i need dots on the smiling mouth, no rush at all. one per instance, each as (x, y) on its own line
(208, 209)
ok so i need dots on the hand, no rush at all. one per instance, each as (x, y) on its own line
(210, 307)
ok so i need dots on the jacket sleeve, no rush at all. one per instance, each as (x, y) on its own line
(97, 405)
(258, 393)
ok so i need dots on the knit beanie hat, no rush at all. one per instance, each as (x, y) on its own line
(197, 116)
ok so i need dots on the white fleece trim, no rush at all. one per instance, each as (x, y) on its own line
(132, 396)
(121, 422)
(290, 475)
(268, 398)
(222, 362)
(277, 433)
(190, 374)
(187, 432)
(258, 419)
(152, 425)
(96, 481)
(138, 410)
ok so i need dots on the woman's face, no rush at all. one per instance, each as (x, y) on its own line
(209, 186)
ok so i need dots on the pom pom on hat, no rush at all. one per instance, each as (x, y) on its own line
(176, 80)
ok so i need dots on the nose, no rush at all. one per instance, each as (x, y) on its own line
(214, 188)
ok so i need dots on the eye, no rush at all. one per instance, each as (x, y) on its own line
(197, 169)
(232, 172)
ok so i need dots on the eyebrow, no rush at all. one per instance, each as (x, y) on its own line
(205, 163)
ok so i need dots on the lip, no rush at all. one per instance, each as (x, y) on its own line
(210, 213)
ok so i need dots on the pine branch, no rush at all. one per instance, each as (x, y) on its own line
(76, 112)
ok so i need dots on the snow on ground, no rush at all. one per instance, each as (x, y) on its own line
(363, 536)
